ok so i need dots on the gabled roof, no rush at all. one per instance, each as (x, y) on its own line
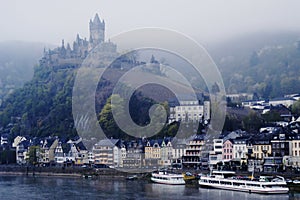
(107, 142)
(282, 99)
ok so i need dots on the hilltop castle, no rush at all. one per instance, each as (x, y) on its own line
(65, 55)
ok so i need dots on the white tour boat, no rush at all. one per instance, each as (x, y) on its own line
(167, 178)
(225, 180)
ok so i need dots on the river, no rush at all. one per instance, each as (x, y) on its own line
(22, 187)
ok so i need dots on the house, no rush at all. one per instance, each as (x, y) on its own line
(72, 153)
(227, 150)
(178, 148)
(17, 141)
(152, 153)
(295, 149)
(4, 139)
(240, 150)
(261, 148)
(166, 153)
(281, 143)
(59, 154)
(189, 110)
(134, 155)
(21, 152)
(193, 152)
(48, 146)
(104, 151)
(215, 155)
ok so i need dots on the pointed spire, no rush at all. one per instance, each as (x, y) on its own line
(77, 38)
(63, 44)
(68, 47)
(97, 19)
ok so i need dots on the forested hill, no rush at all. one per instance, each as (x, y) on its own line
(17, 60)
(267, 64)
(42, 107)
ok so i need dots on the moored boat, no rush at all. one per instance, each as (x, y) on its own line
(131, 178)
(167, 178)
(191, 179)
(263, 185)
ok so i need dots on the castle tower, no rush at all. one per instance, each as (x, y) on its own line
(97, 29)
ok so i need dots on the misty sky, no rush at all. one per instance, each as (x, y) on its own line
(50, 21)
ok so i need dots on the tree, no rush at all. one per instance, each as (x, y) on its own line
(33, 155)
(252, 122)
(272, 116)
(296, 108)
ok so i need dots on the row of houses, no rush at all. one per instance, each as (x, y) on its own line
(200, 152)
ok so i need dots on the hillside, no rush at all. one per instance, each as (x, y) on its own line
(264, 63)
(42, 106)
(17, 60)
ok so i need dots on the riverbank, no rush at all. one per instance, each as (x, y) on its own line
(60, 171)
(77, 171)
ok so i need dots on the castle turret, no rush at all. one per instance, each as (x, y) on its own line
(97, 29)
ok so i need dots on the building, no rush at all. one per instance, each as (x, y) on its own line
(228, 150)
(166, 153)
(295, 149)
(104, 151)
(240, 150)
(215, 155)
(186, 111)
(22, 151)
(261, 148)
(281, 144)
(59, 154)
(134, 155)
(193, 152)
(236, 98)
(286, 101)
(47, 150)
(178, 148)
(65, 56)
(273, 164)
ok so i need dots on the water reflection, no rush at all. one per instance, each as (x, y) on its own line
(229, 195)
(19, 187)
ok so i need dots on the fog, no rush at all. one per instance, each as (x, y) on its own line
(206, 21)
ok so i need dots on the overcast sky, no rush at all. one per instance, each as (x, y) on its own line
(50, 21)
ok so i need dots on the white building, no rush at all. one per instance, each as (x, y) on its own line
(106, 152)
(179, 147)
(287, 102)
(190, 111)
(240, 149)
(166, 153)
(216, 155)
(59, 154)
(295, 149)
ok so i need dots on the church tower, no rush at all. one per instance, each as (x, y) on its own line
(97, 30)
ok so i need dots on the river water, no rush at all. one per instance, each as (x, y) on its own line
(22, 187)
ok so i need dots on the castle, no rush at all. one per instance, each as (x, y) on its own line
(73, 57)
